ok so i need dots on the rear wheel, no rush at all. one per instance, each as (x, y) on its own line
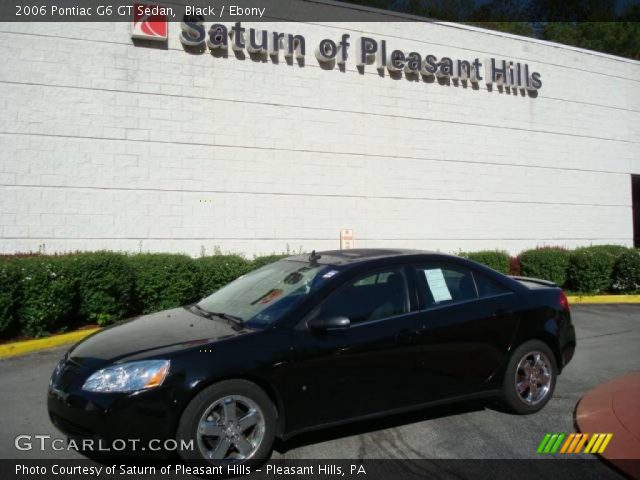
(530, 378)
(232, 421)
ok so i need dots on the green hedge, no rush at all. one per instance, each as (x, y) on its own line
(612, 250)
(47, 297)
(218, 270)
(496, 259)
(266, 260)
(549, 263)
(105, 282)
(590, 269)
(9, 283)
(163, 281)
(41, 294)
(626, 272)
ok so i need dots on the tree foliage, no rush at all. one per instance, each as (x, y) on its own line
(599, 25)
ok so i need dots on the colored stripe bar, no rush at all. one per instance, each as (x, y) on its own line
(606, 442)
(558, 442)
(582, 441)
(551, 442)
(593, 440)
(567, 443)
(543, 442)
(574, 443)
(596, 447)
(576, 439)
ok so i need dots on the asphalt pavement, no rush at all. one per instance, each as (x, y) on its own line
(608, 345)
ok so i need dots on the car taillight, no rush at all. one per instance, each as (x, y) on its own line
(564, 301)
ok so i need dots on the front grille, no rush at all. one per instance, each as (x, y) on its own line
(73, 365)
(64, 374)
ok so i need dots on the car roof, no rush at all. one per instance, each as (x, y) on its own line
(359, 255)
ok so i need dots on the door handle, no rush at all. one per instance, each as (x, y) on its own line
(501, 312)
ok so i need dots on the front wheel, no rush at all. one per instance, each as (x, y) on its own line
(530, 378)
(232, 421)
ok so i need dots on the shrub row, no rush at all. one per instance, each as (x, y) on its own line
(496, 259)
(40, 294)
(595, 269)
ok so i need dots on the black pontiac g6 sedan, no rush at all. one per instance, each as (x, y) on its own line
(313, 341)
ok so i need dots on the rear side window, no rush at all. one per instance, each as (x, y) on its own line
(442, 284)
(488, 287)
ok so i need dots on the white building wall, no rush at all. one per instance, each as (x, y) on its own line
(104, 144)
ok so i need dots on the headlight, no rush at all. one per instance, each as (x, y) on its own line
(128, 377)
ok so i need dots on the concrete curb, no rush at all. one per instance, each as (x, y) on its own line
(603, 299)
(28, 346)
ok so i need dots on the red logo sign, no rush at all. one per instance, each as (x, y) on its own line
(148, 24)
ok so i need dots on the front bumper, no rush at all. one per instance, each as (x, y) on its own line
(112, 416)
(142, 416)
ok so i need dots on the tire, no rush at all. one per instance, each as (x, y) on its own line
(518, 393)
(209, 421)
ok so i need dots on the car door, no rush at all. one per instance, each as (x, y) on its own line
(364, 369)
(466, 324)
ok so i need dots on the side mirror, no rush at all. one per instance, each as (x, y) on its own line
(321, 324)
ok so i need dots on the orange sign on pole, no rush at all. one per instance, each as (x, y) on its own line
(346, 239)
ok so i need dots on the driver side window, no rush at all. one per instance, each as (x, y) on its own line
(372, 296)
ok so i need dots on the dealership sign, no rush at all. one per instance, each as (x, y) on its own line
(195, 37)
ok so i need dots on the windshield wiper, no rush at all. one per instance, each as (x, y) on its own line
(230, 318)
(202, 311)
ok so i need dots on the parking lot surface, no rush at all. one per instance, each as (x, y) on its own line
(608, 339)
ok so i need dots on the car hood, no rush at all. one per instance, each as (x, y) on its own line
(150, 334)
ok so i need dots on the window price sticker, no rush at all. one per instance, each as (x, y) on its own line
(437, 285)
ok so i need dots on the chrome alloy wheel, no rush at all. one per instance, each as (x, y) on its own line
(231, 428)
(533, 377)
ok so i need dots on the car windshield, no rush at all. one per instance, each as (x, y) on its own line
(265, 295)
